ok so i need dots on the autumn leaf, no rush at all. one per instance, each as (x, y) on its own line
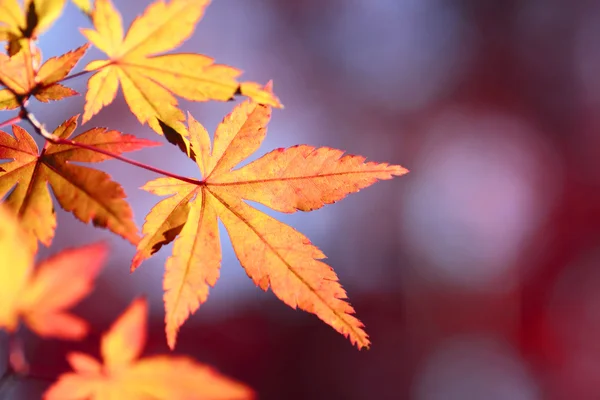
(90, 194)
(12, 19)
(41, 297)
(272, 253)
(15, 267)
(22, 78)
(150, 80)
(17, 74)
(84, 5)
(18, 24)
(123, 375)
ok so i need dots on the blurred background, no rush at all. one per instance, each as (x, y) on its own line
(477, 275)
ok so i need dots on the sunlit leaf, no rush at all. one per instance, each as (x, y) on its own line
(123, 375)
(90, 194)
(18, 24)
(59, 283)
(272, 253)
(150, 80)
(41, 297)
(19, 74)
(15, 267)
(84, 5)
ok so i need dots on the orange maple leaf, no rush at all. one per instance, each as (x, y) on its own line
(272, 253)
(22, 77)
(123, 375)
(40, 298)
(90, 194)
(149, 80)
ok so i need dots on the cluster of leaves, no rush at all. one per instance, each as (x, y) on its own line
(287, 180)
(39, 298)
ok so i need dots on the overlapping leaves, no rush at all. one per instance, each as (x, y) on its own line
(19, 25)
(23, 78)
(90, 194)
(287, 180)
(40, 299)
(272, 253)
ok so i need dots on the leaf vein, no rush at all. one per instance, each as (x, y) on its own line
(340, 316)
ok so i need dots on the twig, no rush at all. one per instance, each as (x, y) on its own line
(127, 160)
(10, 121)
(76, 75)
(41, 130)
(38, 127)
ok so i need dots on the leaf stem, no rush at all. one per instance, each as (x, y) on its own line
(126, 160)
(10, 121)
(41, 130)
(76, 75)
(38, 127)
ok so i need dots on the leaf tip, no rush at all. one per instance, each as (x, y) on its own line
(171, 333)
(366, 346)
(399, 170)
(269, 86)
(135, 263)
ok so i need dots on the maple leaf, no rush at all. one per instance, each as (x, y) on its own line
(272, 253)
(123, 375)
(18, 24)
(22, 78)
(149, 81)
(89, 193)
(40, 298)
(85, 6)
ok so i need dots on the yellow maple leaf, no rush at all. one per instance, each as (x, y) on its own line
(123, 375)
(18, 24)
(41, 297)
(149, 80)
(84, 5)
(272, 253)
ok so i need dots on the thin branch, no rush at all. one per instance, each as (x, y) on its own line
(10, 121)
(126, 160)
(81, 73)
(41, 130)
(76, 75)
(38, 127)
